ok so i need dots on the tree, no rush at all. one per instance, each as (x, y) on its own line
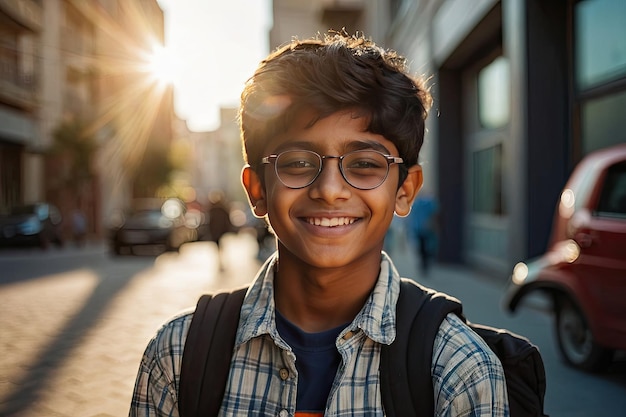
(153, 172)
(73, 151)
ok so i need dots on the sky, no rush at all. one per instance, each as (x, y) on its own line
(214, 47)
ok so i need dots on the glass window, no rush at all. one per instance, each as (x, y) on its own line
(600, 46)
(603, 122)
(613, 197)
(494, 94)
(487, 181)
(8, 56)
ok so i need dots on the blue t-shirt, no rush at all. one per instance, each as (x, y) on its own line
(317, 360)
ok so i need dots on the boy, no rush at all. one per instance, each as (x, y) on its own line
(331, 131)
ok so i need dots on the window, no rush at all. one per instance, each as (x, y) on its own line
(600, 46)
(603, 122)
(8, 56)
(494, 94)
(487, 181)
(600, 72)
(613, 198)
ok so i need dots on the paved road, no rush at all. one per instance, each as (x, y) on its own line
(71, 341)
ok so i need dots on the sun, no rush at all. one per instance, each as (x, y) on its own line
(162, 65)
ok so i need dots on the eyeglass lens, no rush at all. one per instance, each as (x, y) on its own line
(362, 169)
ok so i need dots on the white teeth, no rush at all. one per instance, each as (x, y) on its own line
(335, 221)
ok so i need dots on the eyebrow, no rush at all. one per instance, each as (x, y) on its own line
(355, 145)
(367, 144)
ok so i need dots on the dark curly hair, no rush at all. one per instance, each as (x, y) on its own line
(334, 73)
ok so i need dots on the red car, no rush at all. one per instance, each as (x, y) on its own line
(584, 269)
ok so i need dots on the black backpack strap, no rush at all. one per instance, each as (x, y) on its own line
(208, 352)
(406, 379)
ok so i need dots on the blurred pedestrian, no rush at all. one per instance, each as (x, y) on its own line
(79, 227)
(219, 217)
(219, 220)
(423, 229)
(395, 240)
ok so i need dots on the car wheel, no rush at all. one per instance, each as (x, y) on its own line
(576, 341)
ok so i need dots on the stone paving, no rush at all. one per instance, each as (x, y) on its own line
(71, 342)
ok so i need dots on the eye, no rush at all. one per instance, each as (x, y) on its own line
(365, 161)
(364, 164)
(296, 162)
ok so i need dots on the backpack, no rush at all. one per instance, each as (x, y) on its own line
(404, 365)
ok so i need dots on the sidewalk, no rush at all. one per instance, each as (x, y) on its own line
(480, 292)
(69, 249)
(72, 341)
(406, 260)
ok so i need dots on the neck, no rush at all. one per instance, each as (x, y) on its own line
(318, 299)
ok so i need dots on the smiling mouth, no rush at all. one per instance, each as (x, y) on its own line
(330, 222)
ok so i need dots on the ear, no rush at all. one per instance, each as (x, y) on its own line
(254, 188)
(408, 191)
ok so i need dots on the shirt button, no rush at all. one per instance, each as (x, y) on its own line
(284, 374)
(283, 413)
(348, 335)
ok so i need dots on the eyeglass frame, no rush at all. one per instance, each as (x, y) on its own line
(271, 158)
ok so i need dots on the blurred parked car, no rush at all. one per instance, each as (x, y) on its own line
(154, 227)
(584, 269)
(31, 224)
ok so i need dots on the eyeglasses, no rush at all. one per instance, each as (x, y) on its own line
(363, 169)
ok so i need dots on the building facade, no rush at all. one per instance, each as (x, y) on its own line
(20, 68)
(303, 19)
(215, 158)
(523, 90)
(72, 69)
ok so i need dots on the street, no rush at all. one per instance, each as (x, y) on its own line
(75, 322)
(72, 339)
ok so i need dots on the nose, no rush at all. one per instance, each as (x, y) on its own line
(330, 184)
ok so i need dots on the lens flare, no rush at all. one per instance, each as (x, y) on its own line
(161, 64)
(568, 199)
(520, 272)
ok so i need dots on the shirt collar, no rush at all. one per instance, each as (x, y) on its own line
(377, 318)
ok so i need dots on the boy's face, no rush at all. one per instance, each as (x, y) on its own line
(330, 223)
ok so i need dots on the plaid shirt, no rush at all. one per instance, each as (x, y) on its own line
(468, 378)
